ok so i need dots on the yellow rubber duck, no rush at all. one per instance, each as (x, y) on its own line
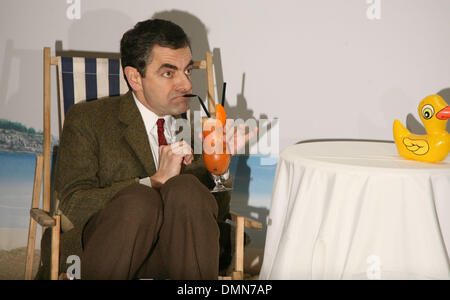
(435, 145)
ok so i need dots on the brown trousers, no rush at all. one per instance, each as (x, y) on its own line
(145, 233)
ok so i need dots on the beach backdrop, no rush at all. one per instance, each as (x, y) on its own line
(252, 182)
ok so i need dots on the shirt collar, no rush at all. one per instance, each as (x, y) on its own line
(150, 117)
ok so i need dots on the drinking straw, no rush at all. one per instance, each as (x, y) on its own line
(204, 107)
(201, 102)
(223, 92)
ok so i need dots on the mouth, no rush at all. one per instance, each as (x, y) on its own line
(182, 98)
(444, 114)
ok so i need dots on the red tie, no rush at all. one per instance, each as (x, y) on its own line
(161, 138)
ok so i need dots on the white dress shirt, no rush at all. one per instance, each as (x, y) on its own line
(150, 119)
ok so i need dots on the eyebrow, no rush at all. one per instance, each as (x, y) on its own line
(170, 66)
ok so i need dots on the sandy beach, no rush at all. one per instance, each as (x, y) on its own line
(13, 253)
(12, 263)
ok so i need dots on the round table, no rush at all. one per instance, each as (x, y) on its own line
(357, 210)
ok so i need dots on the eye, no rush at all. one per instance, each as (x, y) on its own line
(188, 72)
(427, 111)
(167, 74)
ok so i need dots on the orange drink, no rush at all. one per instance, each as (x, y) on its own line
(215, 153)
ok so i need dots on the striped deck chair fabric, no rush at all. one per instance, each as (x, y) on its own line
(87, 79)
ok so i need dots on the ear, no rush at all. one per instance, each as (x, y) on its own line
(134, 78)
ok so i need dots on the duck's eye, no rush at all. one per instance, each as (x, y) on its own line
(427, 111)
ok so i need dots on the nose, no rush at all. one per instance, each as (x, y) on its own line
(184, 84)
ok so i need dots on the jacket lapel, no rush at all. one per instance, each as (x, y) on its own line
(135, 133)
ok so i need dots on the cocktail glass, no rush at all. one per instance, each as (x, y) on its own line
(215, 153)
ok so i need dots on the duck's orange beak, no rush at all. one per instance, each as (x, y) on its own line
(444, 114)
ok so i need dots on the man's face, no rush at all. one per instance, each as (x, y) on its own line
(167, 79)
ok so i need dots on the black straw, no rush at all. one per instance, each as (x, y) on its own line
(223, 92)
(201, 102)
(204, 107)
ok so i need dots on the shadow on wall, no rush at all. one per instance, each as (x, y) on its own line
(343, 140)
(198, 34)
(93, 30)
(412, 124)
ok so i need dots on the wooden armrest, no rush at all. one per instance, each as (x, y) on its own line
(200, 64)
(42, 217)
(248, 222)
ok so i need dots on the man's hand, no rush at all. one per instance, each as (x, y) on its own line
(170, 159)
(236, 138)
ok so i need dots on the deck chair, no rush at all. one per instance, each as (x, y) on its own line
(104, 78)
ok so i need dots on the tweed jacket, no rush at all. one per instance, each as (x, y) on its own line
(104, 148)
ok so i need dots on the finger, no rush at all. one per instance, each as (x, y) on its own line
(176, 147)
(181, 148)
(251, 134)
(186, 151)
(232, 136)
(186, 147)
(239, 134)
(241, 139)
(242, 128)
(189, 156)
(228, 125)
(188, 159)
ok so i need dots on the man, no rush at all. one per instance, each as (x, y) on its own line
(134, 206)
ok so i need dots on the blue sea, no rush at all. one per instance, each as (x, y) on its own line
(16, 188)
(252, 187)
(252, 175)
(253, 178)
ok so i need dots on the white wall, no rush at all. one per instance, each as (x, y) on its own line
(322, 67)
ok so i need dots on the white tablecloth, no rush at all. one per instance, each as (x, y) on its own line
(357, 210)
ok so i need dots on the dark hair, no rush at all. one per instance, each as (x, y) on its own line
(137, 43)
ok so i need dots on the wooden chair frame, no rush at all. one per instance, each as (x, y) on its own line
(45, 218)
